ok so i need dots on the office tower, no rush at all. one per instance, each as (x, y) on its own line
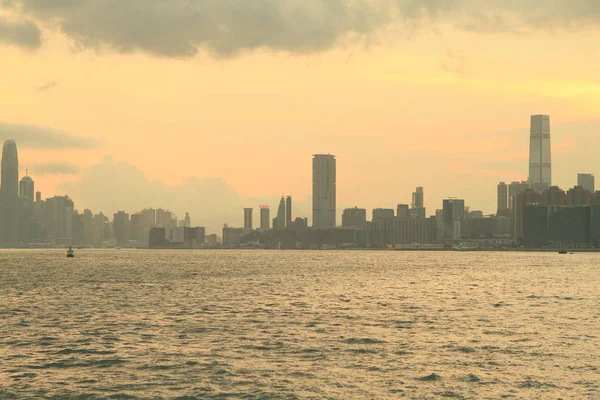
(540, 160)
(587, 181)
(417, 208)
(402, 211)
(383, 213)
(417, 198)
(26, 190)
(453, 213)
(247, 218)
(514, 190)
(121, 228)
(136, 228)
(324, 191)
(288, 211)
(502, 196)
(9, 193)
(354, 218)
(58, 218)
(265, 218)
(279, 220)
(188, 220)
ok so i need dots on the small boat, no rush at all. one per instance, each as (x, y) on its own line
(562, 252)
(70, 253)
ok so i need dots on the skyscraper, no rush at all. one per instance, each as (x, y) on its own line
(324, 191)
(9, 193)
(265, 218)
(418, 201)
(288, 211)
(540, 160)
(247, 218)
(587, 181)
(453, 213)
(502, 196)
(279, 220)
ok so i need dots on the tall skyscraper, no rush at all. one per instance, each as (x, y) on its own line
(265, 218)
(540, 160)
(502, 196)
(247, 218)
(288, 211)
(324, 191)
(26, 190)
(121, 227)
(279, 220)
(9, 193)
(418, 200)
(586, 181)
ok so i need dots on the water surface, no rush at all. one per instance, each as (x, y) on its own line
(295, 325)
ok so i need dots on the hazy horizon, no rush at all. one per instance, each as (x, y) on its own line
(208, 104)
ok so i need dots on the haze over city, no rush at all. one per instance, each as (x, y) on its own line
(197, 108)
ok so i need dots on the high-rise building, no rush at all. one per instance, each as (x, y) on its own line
(453, 213)
(288, 211)
(26, 190)
(354, 218)
(58, 219)
(579, 196)
(9, 193)
(121, 228)
(540, 160)
(279, 220)
(265, 218)
(417, 207)
(187, 220)
(247, 218)
(587, 181)
(502, 196)
(402, 211)
(324, 191)
(514, 190)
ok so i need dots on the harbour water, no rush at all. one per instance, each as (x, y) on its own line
(299, 325)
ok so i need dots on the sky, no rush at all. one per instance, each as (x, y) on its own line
(208, 106)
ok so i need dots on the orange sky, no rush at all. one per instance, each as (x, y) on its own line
(445, 108)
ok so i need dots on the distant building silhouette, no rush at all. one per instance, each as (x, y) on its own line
(324, 191)
(453, 213)
(288, 211)
(540, 159)
(247, 218)
(265, 218)
(402, 211)
(587, 181)
(418, 204)
(279, 220)
(354, 218)
(502, 197)
(121, 228)
(382, 213)
(9, 194)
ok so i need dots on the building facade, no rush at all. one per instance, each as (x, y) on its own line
(324, 191)
(540, 158)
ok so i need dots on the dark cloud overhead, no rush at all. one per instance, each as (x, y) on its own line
(24, 34)
(182, 28)
(55, 168)
(36, 137)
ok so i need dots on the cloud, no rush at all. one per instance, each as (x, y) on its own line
(112, 185)
(179, 28)
(224, 28)
(25, 34)
(47, 86)
(55, 168)
(36, 137)
(455, 63)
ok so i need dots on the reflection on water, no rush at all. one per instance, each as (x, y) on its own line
(267, 324)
